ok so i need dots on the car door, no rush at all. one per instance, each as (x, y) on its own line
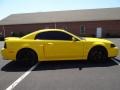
(59, 45)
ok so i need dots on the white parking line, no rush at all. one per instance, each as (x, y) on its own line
(116, 61)
(12, 86)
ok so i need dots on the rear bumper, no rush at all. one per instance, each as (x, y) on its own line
(7, 54)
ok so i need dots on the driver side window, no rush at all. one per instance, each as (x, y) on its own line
(53, 35)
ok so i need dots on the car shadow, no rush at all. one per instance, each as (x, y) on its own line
(16, 66)
(55, 65)
(72, 64)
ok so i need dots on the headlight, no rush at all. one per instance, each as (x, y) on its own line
(112, 45)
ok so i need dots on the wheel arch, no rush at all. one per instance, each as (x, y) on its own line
(97, 46)
(26, 48)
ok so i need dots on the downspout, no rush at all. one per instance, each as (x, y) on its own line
(4, 31)
(55, 25)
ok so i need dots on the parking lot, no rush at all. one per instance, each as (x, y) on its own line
(62, 75)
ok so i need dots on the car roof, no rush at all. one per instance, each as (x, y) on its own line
(44, 30)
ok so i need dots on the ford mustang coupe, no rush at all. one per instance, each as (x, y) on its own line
(57, 44)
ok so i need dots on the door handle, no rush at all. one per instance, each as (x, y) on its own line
(50, 43)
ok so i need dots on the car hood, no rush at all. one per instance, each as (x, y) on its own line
(97, 40)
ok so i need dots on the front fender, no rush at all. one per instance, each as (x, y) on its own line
(91, 45)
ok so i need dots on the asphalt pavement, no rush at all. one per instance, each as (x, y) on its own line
(61, 75)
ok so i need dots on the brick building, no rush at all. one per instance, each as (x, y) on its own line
(80, 22)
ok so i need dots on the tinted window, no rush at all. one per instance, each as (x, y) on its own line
(53, 35)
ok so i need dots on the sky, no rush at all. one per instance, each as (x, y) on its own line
(8, 7)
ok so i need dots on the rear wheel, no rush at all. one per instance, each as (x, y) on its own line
(98, 54)
(27, 55)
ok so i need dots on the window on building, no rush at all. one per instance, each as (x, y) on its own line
(53, 35)
(82, 29)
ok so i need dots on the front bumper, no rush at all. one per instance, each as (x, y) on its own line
(113, 52)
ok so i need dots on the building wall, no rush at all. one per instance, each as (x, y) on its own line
(108, 27)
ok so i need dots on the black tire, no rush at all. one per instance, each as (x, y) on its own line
(98, 54)
(27, 55)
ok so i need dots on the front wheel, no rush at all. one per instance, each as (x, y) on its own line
(98, 55)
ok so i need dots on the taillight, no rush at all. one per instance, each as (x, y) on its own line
(5, 46)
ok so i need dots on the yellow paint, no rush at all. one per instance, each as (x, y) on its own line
(49, 50)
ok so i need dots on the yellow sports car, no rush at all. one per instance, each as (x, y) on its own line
(57, 44)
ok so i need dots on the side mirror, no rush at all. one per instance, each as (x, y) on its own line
(74, 39)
